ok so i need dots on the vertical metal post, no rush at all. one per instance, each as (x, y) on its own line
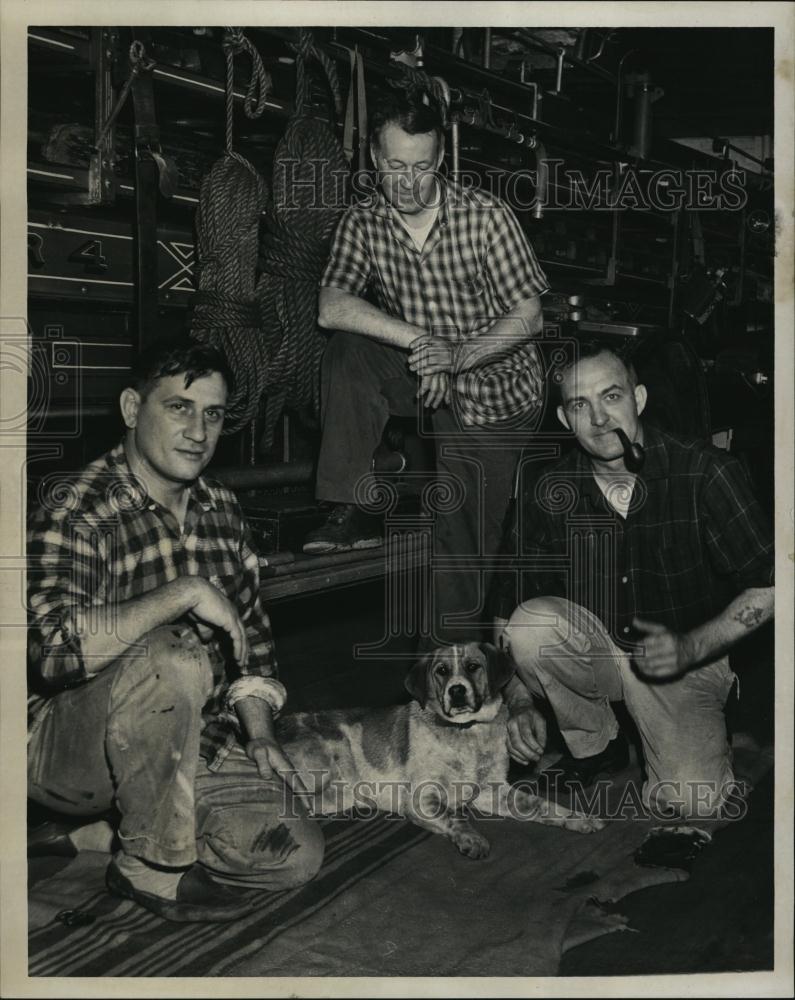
(101, 179)
(674, 268)
(487, 49)
(147, 179)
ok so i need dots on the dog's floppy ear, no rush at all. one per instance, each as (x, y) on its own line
(417, 679)
(499, 666)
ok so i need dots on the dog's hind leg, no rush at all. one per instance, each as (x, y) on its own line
(519, 803)
(431, 811)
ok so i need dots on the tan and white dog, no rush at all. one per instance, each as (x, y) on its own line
(426, 760)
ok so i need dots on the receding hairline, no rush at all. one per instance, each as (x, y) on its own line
(627, 366)
(188, 379)
(375, 139)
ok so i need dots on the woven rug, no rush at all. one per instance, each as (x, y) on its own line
(390, 900)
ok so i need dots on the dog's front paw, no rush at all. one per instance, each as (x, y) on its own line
(471, 844)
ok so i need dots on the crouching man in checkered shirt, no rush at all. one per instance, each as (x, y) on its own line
(433, 293)
(153, 683)
(635, 583)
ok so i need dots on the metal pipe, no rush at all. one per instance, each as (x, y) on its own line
(257, 476)
(721, 146)
(487, 49)
(542, 181)
(559, 72)
(617, 121)
(600, 50)
(644, 96)
(455, 146)
(539, 43)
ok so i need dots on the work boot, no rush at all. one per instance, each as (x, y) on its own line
(347, 527)
(198, 899)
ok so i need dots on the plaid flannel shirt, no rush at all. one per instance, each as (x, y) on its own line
(475, 266)
(693, 539)
(99, 539)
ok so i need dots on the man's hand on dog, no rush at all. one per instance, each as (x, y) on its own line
(269, 757)
(527, 734)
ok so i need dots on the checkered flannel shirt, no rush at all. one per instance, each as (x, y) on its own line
(99, 538)
(476, 266)
(694, 538)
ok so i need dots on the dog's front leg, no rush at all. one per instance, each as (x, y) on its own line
(429, 809)
(502, 799)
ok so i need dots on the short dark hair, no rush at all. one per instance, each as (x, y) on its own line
(406, 109)
(177, 355)
(580, 350)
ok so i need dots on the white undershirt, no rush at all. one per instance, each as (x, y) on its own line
(420, 234)
(617, 490)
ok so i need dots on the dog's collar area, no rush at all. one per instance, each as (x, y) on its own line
(447, 723)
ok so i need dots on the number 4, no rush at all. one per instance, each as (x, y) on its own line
(90, 254)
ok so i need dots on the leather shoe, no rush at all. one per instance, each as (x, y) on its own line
(51, 838)
(200, 899)
(583, 771)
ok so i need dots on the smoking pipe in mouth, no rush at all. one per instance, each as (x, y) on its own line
(634, 455)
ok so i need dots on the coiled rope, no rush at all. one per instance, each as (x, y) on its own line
(418, 82)
(232, 200)
(267, 328)
(308, 196)
(305, 50)
(259, 86)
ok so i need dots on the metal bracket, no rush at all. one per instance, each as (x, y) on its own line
(102, 188)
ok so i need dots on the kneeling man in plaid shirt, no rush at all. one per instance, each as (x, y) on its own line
(433, 293)
(634, 585)
(153, 683)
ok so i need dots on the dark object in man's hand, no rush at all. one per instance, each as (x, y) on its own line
(634, 455)
(672, 847)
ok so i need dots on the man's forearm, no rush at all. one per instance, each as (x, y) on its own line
(514, 328)
(107, 632)
(339, 310)
(516, 695)
(746, 613)
(256, 718)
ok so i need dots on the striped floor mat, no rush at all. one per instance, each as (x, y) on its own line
(125, 940)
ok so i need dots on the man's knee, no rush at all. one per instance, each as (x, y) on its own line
(308, 857)
(535, 624)
(248, 843)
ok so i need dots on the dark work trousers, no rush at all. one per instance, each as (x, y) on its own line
(363, 383)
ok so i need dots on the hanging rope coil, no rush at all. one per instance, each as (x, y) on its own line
(267, 326)
(232, 199)
(305, 49)
(417, 81)
(307, 200)
(259, 86)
